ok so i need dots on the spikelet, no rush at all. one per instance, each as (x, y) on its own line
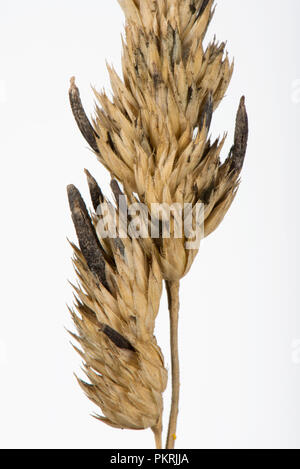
(154, 135)
(117, 303)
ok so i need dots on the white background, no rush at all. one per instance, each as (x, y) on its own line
(239, 328)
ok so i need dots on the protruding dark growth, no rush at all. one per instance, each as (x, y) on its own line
(95, 191)
(80, 116)
(239, 148)
(206, 115)
(116, 190)
(87, 237)
(117, 338)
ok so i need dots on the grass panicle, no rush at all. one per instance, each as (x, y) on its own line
(154, 138)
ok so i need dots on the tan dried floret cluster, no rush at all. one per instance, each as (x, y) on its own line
(154, 137)
(117, 304)
(171, 86)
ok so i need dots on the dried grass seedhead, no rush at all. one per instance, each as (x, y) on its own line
(154, 135)
(116, 303)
